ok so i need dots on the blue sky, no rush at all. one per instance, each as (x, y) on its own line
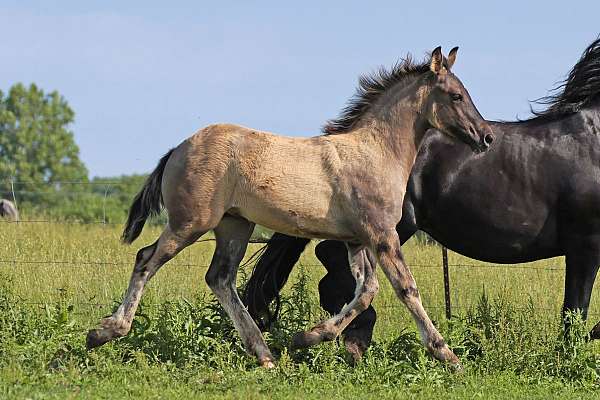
(142, 76)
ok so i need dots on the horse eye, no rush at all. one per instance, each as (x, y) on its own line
(456, 96)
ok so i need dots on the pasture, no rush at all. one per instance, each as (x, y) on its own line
(58, 279)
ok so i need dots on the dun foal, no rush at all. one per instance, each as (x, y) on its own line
(226, 178)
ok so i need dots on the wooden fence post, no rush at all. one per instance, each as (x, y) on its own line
(446, 282)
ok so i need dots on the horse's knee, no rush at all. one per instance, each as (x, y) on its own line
(409, 293)
(390, 251)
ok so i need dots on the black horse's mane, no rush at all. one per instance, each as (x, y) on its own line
(370, 88)
(577, 91)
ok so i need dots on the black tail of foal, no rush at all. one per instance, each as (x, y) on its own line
(146, 203)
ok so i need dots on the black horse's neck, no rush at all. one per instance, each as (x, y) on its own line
(542, 128)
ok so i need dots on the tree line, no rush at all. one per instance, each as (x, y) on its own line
(40, 167)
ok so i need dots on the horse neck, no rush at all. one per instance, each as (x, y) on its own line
(543, 129)
(398, 138)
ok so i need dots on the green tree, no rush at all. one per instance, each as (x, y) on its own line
(36, 144)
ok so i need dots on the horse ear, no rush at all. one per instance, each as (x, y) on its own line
(437, 60)
(452, 57)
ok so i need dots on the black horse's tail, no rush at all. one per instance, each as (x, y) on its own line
(270, 274)
(146, 203)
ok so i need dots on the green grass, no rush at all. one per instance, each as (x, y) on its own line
(58, 280)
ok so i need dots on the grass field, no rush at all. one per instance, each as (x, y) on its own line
(58, 280)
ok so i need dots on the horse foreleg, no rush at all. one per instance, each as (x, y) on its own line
(392, 262)
(582, 262)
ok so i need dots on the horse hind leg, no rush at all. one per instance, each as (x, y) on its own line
(359, 333)
(367, 287)
(232, 236)
(337, 288)
(148, 261)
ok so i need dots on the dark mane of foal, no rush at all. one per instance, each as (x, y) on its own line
(370, 88)
(580, 87)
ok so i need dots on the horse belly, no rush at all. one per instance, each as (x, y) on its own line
(296, 207)
(503, 235)
(288, 185)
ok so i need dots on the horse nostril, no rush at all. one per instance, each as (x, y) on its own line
(488, 138)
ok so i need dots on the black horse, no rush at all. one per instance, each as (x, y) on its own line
(8, 210)
(535, 194)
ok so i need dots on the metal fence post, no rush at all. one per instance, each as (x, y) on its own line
(446, 282)
(104, 204)
(12, 189)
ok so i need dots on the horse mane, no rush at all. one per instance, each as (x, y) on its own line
(370, 88)
(580, 87)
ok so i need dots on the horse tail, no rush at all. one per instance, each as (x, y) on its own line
(146, 203)
(270, 273)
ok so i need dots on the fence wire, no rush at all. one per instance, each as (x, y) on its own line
(22, 188)
(172, 263)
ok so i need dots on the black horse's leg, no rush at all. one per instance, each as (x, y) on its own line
(595, 332)
(336, 289)
(583, 260)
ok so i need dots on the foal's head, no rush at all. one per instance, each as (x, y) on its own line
(448, 106)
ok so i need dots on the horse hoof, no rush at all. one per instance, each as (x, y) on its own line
(267, 364)
(453, 362)
(97, 337)
(302, 340)
(595, 332)
(456, 367)
(355, 350)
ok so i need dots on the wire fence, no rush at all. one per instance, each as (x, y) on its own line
(108, 200)
(19, 191)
